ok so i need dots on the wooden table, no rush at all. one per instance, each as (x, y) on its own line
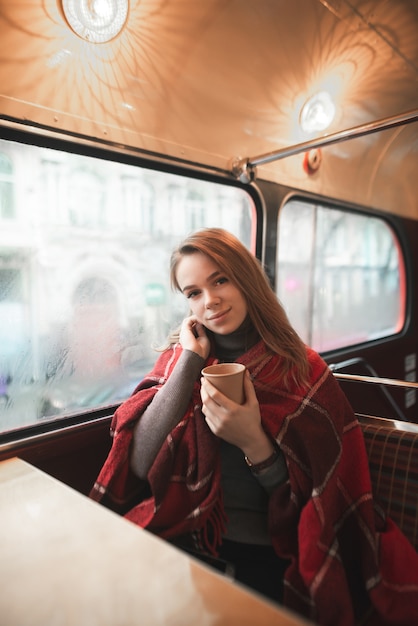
(66, 560)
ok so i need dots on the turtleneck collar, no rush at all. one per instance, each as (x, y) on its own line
(231, 347)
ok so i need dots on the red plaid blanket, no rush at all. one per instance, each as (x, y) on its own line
(347, 559)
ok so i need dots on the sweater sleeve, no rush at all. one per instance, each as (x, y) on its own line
(164, 413)
(273, 476)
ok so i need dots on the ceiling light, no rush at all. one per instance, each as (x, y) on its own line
(317, 113)
(97, 21)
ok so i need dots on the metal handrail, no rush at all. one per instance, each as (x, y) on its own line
(376, 380)
(244, 169)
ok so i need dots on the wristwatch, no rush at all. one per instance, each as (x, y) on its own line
(256, 468)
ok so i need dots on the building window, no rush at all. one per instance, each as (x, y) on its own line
(7, 206)
(86, 199)
(196, 209)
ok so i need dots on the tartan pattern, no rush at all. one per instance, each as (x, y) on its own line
(393, 461)
(323, 518)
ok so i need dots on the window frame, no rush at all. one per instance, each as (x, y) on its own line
(118, 154)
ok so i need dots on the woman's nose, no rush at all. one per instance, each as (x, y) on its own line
(211, 300)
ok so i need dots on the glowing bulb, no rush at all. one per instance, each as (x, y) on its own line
(317, 113)
(96, 20)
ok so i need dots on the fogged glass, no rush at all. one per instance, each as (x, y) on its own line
(85, 297)
(340, 275)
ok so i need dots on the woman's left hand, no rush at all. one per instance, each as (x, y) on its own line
(238, 424)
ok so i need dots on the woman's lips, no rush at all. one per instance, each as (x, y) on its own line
(219, 316)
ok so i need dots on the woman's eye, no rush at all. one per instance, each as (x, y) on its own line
(222, 280)
(192, 294)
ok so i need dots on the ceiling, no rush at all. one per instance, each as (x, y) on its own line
(207, 82)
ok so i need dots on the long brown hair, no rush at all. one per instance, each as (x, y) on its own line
(264, 309)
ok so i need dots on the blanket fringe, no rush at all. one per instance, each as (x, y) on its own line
(209, 538)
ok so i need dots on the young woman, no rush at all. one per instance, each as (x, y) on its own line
(277, 488)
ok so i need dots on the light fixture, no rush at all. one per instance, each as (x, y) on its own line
(97, 21)
(317, 113)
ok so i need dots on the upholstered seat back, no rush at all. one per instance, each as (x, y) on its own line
(392, 448)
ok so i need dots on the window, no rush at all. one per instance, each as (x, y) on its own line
(339, 275)
(84, 277)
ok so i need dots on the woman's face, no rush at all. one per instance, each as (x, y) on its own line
(215, 301)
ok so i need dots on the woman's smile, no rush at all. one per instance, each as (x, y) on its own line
(218, 316)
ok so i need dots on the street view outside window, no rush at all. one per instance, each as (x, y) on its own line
(340, 275)
(85, 298)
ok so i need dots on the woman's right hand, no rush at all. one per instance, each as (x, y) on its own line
(193, 337)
